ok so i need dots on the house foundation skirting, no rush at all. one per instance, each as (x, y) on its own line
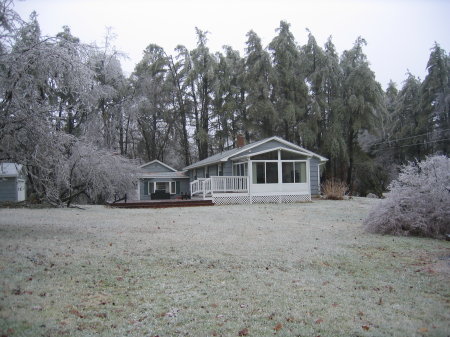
(239, 198)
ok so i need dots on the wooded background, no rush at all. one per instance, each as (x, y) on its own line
(63, 103)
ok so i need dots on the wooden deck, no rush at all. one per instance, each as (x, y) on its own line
(162, 203)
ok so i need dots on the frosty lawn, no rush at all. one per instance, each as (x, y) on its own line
(256, 270)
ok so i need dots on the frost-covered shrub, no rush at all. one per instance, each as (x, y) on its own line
(334, 189)
(418, 203)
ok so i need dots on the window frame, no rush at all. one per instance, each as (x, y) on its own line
(265, 171)
(293, 162)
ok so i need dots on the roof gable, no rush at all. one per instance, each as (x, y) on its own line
(272, 142)
(10, 170)
(156, 166)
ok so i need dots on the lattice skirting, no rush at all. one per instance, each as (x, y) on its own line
(261, 199)
(232, 200)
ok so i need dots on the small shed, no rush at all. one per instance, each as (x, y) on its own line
(158, 180)
(12, 182)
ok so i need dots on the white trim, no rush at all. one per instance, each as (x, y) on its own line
(156, 176)
(251, 146)
(159, 162)
(281, 140)
(307, 155)
(139, 189)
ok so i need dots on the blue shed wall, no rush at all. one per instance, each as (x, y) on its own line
(184, 186)
(8, 189)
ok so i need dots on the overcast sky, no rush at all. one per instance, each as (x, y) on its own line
(399, 34)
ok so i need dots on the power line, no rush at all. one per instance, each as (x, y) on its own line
(424, 143)
(410, 137)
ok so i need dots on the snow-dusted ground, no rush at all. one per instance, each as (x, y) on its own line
(305, 269)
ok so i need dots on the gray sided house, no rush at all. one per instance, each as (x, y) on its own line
(271, 170)
(12, 182)
(160, 181)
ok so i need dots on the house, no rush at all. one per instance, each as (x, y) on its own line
(271, 170)
(160, 181)
(12, 182)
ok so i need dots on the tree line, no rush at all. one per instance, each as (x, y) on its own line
(187, 105)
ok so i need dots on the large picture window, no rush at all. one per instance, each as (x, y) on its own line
(293, 172)
(265, 172)
(172, 187)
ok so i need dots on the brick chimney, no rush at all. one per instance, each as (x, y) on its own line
(240, 140)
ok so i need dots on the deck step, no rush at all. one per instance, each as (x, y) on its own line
(163, 204)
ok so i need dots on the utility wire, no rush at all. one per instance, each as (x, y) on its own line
(424, 143)
(410, 137)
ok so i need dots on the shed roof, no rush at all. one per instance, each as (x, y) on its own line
(10, 169)
(168, 175)
(158, 162)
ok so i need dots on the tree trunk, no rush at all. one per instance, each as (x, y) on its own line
(183, 114)
(350, 145)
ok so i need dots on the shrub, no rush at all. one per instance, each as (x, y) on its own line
(334, 189)
(418, 203)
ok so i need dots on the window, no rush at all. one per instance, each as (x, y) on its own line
(293, 172)
(272, 155)
(265, 173)
(271, 173)
(172, 187)
(161, 186)
(288, 172)
(212, 171)
(286, 155)
(240, 169)
(151, 187)
(200, 172)
(220, 170)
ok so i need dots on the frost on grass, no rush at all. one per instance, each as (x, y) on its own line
(418, 203)
(285, 269)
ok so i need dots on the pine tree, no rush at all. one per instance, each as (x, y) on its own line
(290, 92)
(202, 80)
(229, 98)
(261, 114)
(435, 101)
(362, 100)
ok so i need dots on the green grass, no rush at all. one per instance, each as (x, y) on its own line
(285, 270)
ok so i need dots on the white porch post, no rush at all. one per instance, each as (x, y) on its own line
(204, 189)
(139, 189)
(249, 179)
(308, 174)
(280, 175)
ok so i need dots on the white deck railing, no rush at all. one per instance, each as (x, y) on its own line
(221, 184)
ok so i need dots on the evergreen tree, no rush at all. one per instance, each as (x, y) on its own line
(202, 80)
(435, 101)
(229, 98)
(362, 100)
(407, 126)
(155, 117)
(261, 114)
(290, 92)
(332, 122)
